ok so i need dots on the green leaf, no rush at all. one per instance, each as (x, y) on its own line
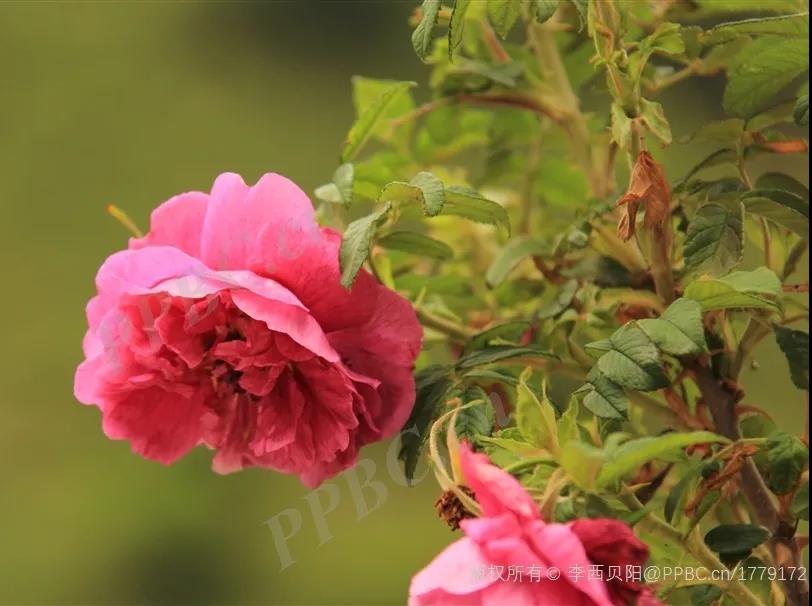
(545, 9)
(653, 115)
(787, 26)
(478, 418)
(503, 14)
(535, 417)
(432, 385)
(717, 158)
(801, 111)
(499, 353)
(424, 189)
(355, 244)
(676, 494)
(509, 331)
(568, 428)
(465, 202)
(787, 456)
(795, 345)
(800, 503)
(783, 182)
(633, 361)
(582, 462)
(761, 71)
(734, 539)
(604, 398)
(621, 126)
(510, 256)
(755, 289)
(679, 331)
(783, 208)
(632, 455)
(715, 238)
(339, 191)
(582, 8)
(416, 243)
(422, 34)
(456, 25)
(368, 119)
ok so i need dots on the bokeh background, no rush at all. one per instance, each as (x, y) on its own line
(129, 103)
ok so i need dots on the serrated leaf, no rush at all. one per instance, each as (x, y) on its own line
(544, 9)
(653, 115)
(467, 203)
(568, 428)
(356, 242)
(679, 331)
(733, 539)
(510, 256)
(499, 353)
(633, 361)
(478, 418)
(604, 398)
(632, 455)
(787, 456)
(456, 25)
(339, 190)
(535, 417)
(432, 385)
(424, 189)
(416, 243)
(787, 26)
(755, 289)
(715, 238)
(364, 126)
(783, 208)
(422, 35)
(503, 14)
(795, 345)
(582, 462)
(761, 71)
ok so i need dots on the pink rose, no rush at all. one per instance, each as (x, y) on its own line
(510, 555)
(226, 326)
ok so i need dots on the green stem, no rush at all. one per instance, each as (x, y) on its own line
(457, 332)
(557, 83)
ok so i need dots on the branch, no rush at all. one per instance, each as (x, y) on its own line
(722, 402)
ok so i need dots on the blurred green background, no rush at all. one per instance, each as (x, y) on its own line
(129, 103)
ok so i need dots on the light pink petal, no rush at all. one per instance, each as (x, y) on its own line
(257, 228)
(496, 490)
(177, 222)
(513, 593)
(459, 569)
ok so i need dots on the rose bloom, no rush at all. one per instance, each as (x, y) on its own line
(511, 556)
(226, 326)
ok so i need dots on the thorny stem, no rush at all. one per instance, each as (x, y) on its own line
(694, 545)
(721, 402)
